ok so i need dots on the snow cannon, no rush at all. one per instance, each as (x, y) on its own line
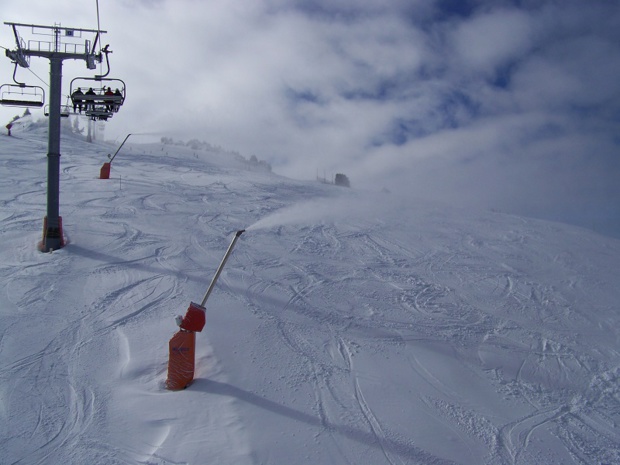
(182, 346)
(104, 172)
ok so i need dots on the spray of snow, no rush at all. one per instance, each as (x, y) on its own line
(322, 210)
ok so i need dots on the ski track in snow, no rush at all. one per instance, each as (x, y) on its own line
(424, 338)
(437, 312)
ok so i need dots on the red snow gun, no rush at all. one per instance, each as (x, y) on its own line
(104, 172)
(181, 362)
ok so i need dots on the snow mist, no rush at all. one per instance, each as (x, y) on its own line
(321, 210)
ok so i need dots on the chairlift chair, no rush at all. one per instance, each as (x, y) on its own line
(21, 95)
(99, 113)
(65, 110)
(92, 98)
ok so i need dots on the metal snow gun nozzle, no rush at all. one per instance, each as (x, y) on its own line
(194, 318)
(183, 344)
(219, 269)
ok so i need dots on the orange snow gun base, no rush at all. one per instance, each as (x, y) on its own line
(182, 346)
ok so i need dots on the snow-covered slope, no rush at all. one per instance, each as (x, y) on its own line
(347, 326)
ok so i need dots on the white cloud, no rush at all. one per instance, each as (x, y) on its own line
(493, 39)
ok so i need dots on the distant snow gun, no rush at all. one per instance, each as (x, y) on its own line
(104, 173)
(182, 346)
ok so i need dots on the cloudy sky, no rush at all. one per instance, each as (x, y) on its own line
(505, 104)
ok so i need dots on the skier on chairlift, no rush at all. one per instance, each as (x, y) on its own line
(90, 99)
(110, 104)
(119, 99)
(78, 98)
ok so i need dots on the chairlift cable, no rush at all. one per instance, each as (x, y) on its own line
(99, 33)
(98, 24)
(40, 79)
(35, 74)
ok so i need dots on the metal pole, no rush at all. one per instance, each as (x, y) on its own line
(53, 233)
(219, 269)
(118, 150)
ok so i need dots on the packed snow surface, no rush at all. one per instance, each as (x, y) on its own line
(348, 326)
